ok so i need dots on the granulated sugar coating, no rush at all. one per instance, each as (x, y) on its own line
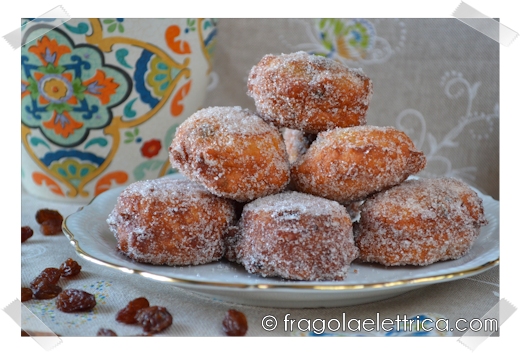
(170, 222)
(308, 92)
(349, 164)
(296, 236)
(419, 222)
(232, 152)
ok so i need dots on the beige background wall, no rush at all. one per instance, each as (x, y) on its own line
(435, 79)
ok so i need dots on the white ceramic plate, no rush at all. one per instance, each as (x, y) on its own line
(89, 234)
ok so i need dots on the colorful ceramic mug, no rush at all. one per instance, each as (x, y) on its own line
(102, 98)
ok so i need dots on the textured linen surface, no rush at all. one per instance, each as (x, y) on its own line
(436, 79)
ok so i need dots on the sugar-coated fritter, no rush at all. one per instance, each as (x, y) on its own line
(232, 152)
(349, 164)
(295, 236)
(309, 93)
(170, 222)
(420, 222)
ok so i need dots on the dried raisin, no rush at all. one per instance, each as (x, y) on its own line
(27, 294)
(50, 274)
(154, 318)
(234, 323)
(44, 286)
(45, 290)
(71, 300)
(46, 214)
(105, 332)
(127, 314)
(50, 227)
(27, 232)
(70, 268)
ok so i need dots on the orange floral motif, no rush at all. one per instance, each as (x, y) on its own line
(101, 86)
(48, 50)
(42, 179)
(105, 183)
(63, 124)
(178, 46)
(176, 107)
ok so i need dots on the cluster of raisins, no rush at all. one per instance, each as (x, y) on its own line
(45, 286)
(152, 319)
(127, 315)
(50, 221)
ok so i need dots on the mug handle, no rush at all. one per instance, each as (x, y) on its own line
(213, 81)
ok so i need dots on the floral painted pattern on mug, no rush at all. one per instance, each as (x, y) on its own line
(67, 90)
(89, 90)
